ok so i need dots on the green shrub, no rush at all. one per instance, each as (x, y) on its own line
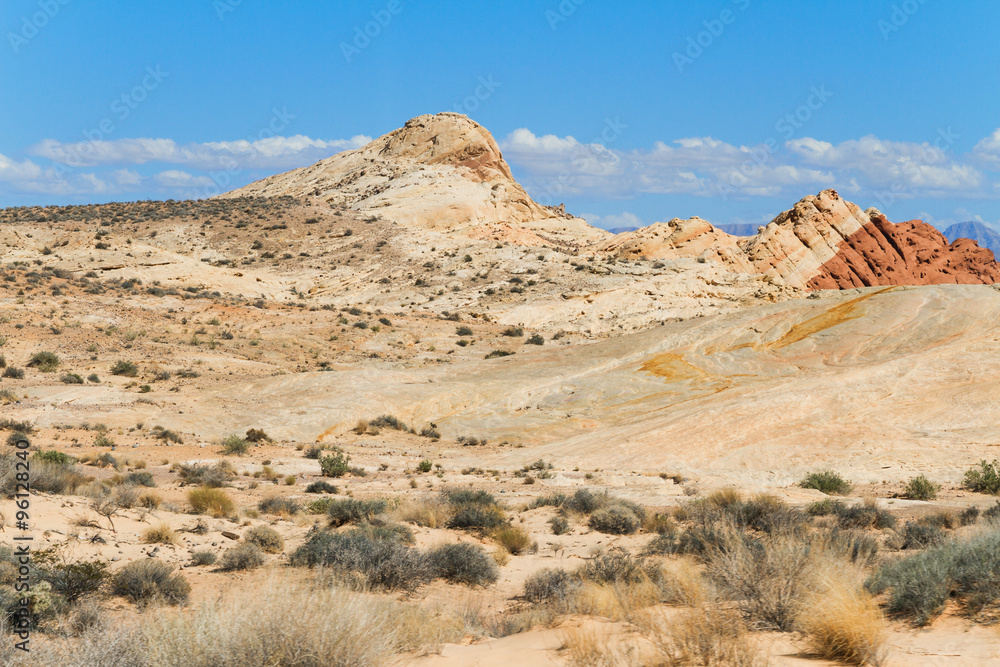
(969, 516)
(75, 580)
(246, 556)
(921, 535)
(353, 510)
(824, 507)
(140, 479)
(71, 378)
(278, 505)
(265, 537)
(203, 558)
(463, 563)
(378, 529)
(919, 586)
(477, 517)
(827, 482)
(495, 354)
(550, 585)
(535, 339)
(215, 475)
(463, 331)
(560, 525)
(616, 566)
(321, 487)
(984, 478)
(148, 580)
(586, 501)
(388, 421)
(380, 564)
(234, 444)
(52, 456)
(614, 520)
(125, 369)
(866, 515)
(463, 497)
(13, 373)
(335, 465)
(46, 362)
(425, 466)
(921, 488)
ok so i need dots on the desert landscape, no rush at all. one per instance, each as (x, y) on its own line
(388, 409)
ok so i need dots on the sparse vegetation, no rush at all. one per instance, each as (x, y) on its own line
(211, 501)
(827, 482)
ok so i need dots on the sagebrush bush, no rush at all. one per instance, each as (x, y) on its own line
(75, 580)
(921, 535)
(125, 369)
(827, 482)
(265, 537)
(983, 478)
(235, 445)
(212, 501)
(614, 520)
(335, 465)
(550, 585)
(321, 487)
(215, 475)
(463, 563)
(150, 580)
(46, 362)
(560, 525)
(921, 488)
(868, 514)
(919, 586)
(379, 563)
(279, 505)
(354, 510)
(203, 558)
(245, 556)
(477, 517)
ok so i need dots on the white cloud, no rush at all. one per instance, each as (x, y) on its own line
(268, 153)
(614, 221)
(172, 178)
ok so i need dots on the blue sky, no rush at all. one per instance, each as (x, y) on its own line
(628, 113)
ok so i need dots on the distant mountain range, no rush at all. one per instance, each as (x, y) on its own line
(985, 236)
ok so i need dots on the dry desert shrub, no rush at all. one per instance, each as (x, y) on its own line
(426, 512)
(257, 629)
(842, 622)
(212, 501)
(266, 538)
(706, 635)
(590, 646)
(514, 539)
(161, 534)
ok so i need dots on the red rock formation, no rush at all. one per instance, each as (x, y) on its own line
(907, 253)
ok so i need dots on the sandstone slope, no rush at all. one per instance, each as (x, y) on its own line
(442, 172)
(823, 242)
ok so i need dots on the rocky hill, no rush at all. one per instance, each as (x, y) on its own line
(440, 172)
(445, 173)
(985, 236)
(823, 242)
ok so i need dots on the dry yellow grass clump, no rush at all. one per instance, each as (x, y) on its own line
(842, 621)
(214, 502)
